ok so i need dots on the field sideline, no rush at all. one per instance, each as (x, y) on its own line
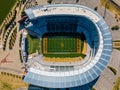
(5, 7)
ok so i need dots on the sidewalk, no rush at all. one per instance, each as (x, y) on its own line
(13, 63)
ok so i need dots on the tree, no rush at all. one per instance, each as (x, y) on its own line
(23, 14)
(96, 8)
(77, 1)
(116, 27)
(2, 73)
(7, 74)
(49, 1)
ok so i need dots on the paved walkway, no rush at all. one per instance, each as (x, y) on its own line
(9, 59)
(13, 59)
(107, 79)
(42, 2)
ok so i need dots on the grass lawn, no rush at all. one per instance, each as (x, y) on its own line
(8, 82)
(5, 7)
(117, 45)
(33, 44)
(13, 38)
(112, 69)
(117, 84)
(117, 48)
(111, 7)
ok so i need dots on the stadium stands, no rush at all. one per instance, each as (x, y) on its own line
(76, 18)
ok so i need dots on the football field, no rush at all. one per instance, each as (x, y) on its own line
(61, 46)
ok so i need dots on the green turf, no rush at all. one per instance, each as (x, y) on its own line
(65, 55)
(61, 44)
(33, 44)
(62, 47)
(117, 84)
(5, 7)
(82, 45)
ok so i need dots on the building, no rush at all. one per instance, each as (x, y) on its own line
(68, 18)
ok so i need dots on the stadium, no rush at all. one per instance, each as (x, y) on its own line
(75, 46)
